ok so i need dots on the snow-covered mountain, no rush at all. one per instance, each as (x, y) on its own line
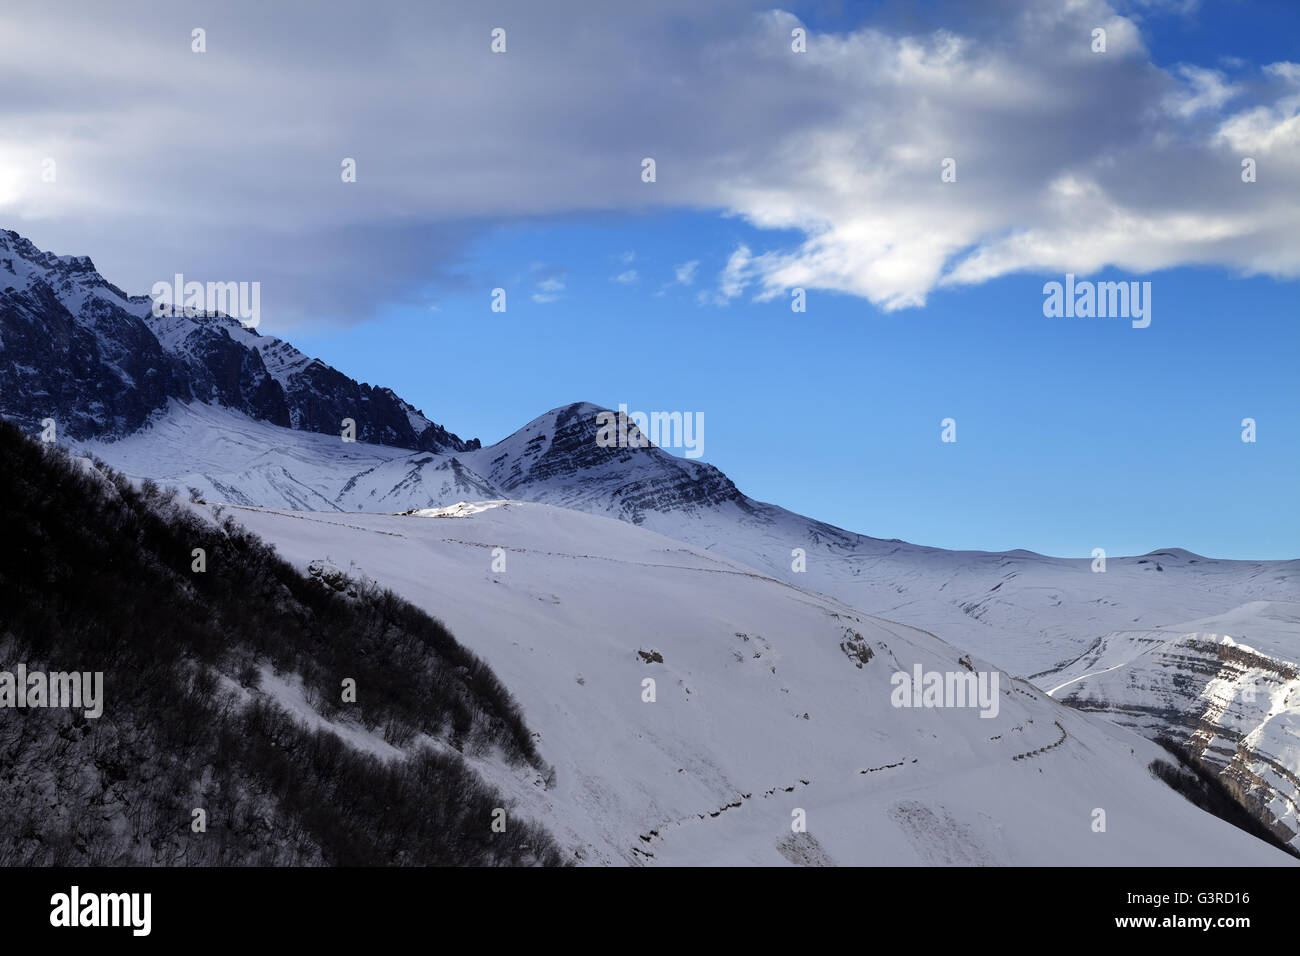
(249, 420)
(79, 350)
(1025, 611)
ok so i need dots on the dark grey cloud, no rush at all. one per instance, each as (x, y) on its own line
(227, 163)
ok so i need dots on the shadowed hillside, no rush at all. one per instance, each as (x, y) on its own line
(97, 574)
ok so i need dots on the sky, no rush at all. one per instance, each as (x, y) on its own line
(775, 171)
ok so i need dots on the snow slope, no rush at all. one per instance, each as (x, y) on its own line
(761, 707)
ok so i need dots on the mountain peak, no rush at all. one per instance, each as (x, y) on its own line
(78, 263)
(24, 248)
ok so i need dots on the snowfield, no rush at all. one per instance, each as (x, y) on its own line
(769, 699)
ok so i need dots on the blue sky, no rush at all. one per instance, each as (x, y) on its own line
(775, 170)
(1071, 433)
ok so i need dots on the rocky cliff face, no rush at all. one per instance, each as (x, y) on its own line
(556, 459)
(70, 350)
(1229, 706)
(79, 350)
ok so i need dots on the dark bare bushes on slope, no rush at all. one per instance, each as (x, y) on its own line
(96, 575)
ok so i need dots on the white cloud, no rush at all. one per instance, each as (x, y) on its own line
(1206, 89)
(548, 290)
(685, 272)
(1064, 163)
(627, 277)
(1066, 159)
(1272, 128)
(736, 275)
